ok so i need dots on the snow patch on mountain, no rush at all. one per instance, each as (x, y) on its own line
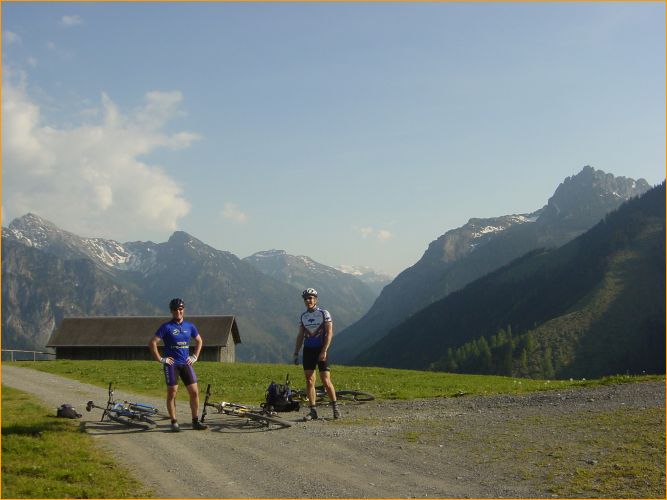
(505, 223)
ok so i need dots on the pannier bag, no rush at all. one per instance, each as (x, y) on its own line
(66, 410)
(279, 398)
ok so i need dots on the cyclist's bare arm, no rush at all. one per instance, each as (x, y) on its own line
(328, 328)
(199, 342)
(152, 346)
(299, 339)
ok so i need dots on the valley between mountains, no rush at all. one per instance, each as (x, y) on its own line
(573, 443)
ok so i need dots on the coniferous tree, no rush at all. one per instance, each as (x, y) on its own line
(547, 364)
(485, 358)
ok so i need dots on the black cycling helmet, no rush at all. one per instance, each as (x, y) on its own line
(175, 304)
(309, 292)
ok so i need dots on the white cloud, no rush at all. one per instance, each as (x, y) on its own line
(10, 37)
(232, 212)
(69, 21)
(365, 232)
(88, 178)
(383, 235)
(371, 232)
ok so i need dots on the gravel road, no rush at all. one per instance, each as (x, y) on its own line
(461, 447)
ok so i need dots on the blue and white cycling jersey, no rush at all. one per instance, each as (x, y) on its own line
(313, 325)
(176, 338)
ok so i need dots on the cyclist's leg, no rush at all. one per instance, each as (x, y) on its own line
(189, 378)
(171, 401)
(310, 386)
(325, 377)
(310, 356)
(193, 392)
(172, 387)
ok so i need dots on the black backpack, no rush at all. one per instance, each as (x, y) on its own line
(279, 398)
(66, 410)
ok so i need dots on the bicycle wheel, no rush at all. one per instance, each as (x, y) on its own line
(357, 396)
(267, 420)
(301, 395)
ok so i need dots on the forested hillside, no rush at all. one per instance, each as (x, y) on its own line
(481, 246)
(593, 307)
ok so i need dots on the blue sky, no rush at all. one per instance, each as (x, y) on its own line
(354, 133)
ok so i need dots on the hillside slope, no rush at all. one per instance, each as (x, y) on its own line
(344, 294)
(39, 289)
(482, 245)
(592, 307)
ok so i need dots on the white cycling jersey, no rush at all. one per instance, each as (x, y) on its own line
(313, 324)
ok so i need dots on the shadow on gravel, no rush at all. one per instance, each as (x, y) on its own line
(109, 428)
(238, 425)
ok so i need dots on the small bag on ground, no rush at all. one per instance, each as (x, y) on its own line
(66, 410)
(279, 398)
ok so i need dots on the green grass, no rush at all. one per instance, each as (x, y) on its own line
(48, 457)
(247, 382)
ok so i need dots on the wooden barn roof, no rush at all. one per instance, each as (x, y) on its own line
(134, 331)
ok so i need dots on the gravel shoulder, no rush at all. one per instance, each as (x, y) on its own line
(466, 447)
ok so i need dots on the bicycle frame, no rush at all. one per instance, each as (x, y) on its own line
(322, 396)
(126, 412)
(238, 410)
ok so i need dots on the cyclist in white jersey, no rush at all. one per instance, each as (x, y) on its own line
(315, 334)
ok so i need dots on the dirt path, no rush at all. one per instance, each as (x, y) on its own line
(454, 447)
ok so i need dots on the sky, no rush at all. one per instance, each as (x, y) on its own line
(353, 133)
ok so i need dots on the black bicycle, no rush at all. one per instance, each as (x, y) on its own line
(321, 395)
(259, 415)
(126, 412)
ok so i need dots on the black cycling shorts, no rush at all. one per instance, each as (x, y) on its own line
(185, 372)
(311, 357)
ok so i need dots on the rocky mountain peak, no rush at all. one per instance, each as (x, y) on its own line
(32, 230)
(591, 191)
(181, 238)
(182, 243)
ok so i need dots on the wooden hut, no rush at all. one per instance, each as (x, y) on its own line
(127, 337)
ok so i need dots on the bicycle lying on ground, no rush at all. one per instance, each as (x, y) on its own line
(126, 412)
(321, 395)
(259, 415)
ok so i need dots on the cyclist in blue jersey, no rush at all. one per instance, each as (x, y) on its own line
(315, 334)
(177, 360)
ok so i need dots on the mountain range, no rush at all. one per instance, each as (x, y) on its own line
(344, 294)
(49, 273)
(481, 246)
(592, 307)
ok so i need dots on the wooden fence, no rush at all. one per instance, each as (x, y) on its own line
(27, 357)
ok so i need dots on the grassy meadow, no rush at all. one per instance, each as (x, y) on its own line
(247, 382)
(48, 457)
